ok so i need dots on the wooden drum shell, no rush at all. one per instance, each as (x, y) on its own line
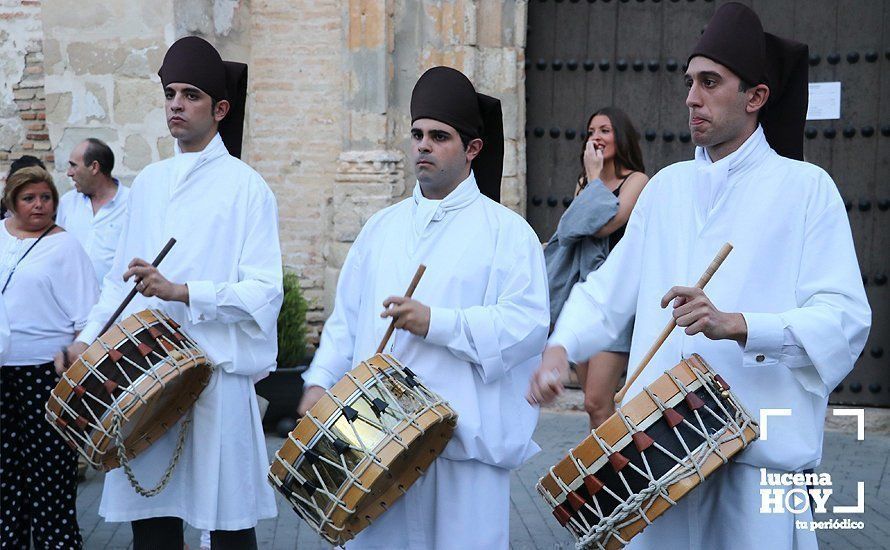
(402, 453)
(568, 475)
(151, 405)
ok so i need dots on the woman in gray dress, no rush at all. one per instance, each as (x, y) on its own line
(611, 168)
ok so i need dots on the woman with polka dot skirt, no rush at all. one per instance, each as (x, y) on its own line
(48, 288)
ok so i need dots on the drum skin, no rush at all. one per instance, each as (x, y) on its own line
(340, 490)
(150, 386)
(588, 489)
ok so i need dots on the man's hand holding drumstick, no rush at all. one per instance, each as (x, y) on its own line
(694, 311)
(150, 282)
(406, 313)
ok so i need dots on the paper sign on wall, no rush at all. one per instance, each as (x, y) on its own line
(825, 101)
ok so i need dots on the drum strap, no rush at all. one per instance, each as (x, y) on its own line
(125, 462)
(42, 235)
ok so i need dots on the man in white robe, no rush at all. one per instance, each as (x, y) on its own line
(473, 332)
(222, 282)
(783, 319)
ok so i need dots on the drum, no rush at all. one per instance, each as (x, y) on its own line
(649, 454)
(360, 447)
(128, 388)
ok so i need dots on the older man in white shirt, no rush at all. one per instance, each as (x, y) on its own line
(95, 211)
(784, 318)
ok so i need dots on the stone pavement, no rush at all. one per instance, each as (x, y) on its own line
(531, 524)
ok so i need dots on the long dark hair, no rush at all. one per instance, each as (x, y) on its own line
(628, 156)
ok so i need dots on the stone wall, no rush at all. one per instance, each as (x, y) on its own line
(22, 97)
(331, 83)
(100, 59)
(327, 117)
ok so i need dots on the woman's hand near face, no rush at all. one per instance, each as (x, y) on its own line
(593, 161)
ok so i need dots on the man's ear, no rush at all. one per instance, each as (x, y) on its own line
(94, 167)
(222, 109)
(757, 97)
(473, 149)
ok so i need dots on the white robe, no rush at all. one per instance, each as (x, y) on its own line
(224, 218)
(486, 285)
(793, 274)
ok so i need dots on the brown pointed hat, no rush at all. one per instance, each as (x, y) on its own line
(193, 60)
(734, 38)
(447, 95)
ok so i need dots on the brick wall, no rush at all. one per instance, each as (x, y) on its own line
(23, 127)
(296, 128)
(327, 115)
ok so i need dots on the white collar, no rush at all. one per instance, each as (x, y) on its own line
(712, 178)
(428, 210)
(751, 150)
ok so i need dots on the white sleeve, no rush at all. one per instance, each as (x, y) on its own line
(335, 349)
(821, 339)
(74, 285)
(507, 333)
(599, 309)
(254, 301)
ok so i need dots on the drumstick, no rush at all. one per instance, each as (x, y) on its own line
(420, 269)
(133, 292)
(706, 276)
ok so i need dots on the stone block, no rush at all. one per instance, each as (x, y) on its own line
(366, 128)
(513, 195)
(143, 60)
(165, 147)
(510, 165)
(367, 24)
(513, 109)
(137, 153)
(52, 55)
(23, 93)
(93, 102)
(136, 100)
(107, 57)
(490, 21)
(10, 133)
(58, 106)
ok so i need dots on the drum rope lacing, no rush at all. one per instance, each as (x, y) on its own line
(636, 506)
(352, 476)
(89, 448)
(380, 380)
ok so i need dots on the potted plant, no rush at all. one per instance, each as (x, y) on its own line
(284, 386)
